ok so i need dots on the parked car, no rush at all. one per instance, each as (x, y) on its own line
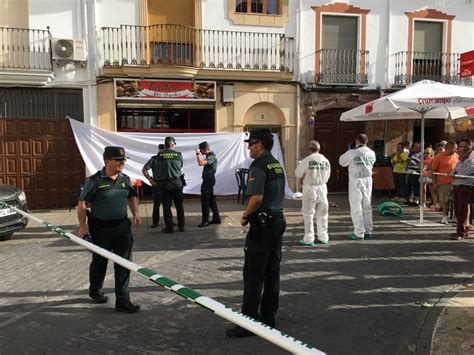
(11, 221)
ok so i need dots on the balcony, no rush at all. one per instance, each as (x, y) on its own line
(163, 46)
(411, 67)
(25, 56)
(347, 67)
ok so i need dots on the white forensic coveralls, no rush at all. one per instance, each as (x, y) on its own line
(360, 162)
(316, 171)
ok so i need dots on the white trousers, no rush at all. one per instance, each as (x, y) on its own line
(315, 201)
(360, 197)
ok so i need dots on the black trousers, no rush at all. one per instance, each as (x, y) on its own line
(208, 199)
(115, 236)
(172, 191)
(262, 269)
(156, 204)
(400, 184)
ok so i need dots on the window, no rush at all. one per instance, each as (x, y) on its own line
(165, 119)
(427, 50)
(172, 52)
(268, 7)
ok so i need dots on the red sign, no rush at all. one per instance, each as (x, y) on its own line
(467, 64)
(169, 90)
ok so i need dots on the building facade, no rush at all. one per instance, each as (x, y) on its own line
(213, 66)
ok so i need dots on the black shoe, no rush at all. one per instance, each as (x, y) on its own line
(270, 321)
(127, 307)
(98, 297)
(215, 221)
(167, 230)
(238, 332)
(154, 225)
(204, 224)
(181, 228)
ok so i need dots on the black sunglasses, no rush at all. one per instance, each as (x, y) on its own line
(253, 142)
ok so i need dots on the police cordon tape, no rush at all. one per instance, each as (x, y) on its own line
(413, 172)
(272, 335)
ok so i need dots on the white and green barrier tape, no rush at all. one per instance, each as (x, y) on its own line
(273, 335)
(414, 172)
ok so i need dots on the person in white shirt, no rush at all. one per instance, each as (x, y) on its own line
(360, 162)
(315, 170)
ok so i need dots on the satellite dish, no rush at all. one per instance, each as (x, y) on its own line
(64, 48)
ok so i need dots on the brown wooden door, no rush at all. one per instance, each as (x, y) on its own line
(334, 137)
(41, 157)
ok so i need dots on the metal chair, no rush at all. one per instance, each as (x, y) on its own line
(241, 174)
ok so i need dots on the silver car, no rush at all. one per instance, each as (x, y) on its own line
(11, 221)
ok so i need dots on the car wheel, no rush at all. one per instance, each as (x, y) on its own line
(5, 237)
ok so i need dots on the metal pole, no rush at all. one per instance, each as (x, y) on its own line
(273, 335)
(422, 195)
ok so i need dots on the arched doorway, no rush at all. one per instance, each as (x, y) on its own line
(265, 115)
(335, 137)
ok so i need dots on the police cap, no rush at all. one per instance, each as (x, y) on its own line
(113, 152)
(169, 141)
(203, 145)
(261, 134)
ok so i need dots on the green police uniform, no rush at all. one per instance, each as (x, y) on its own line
(263, 242)
(208, 199)
(169, 172)
(109, 228)
(152, 164)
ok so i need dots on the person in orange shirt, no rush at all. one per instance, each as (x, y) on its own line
(444, 162)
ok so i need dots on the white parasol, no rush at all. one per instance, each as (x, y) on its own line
(424, 99)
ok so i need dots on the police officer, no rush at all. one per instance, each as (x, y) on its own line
(264, 212)
(108, 192)
(171, 180)
(153, 165)
(208, 200)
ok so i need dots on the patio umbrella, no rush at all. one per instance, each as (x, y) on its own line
(425, 99)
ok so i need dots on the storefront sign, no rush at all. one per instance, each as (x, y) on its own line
(464, 124)
(169, 90)
(467, 64)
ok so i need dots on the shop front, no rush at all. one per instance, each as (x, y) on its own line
(158, 106)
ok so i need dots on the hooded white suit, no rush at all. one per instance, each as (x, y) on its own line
(360, 162)
(315, 169)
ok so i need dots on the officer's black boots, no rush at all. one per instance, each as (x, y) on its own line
(204, 224)
(127, 307)
(98, 297)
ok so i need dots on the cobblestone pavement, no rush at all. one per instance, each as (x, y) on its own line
(377, 296)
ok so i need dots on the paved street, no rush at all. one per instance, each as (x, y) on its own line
(379, 296)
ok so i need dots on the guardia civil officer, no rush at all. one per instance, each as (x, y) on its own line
(169, 163)
(108, 192)
(153, 165)
(206, 158)
(315, 170)
(360, 162)
(264, 212)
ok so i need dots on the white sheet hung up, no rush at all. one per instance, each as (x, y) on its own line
(231, 151)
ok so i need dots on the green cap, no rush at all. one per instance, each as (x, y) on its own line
(114, 153)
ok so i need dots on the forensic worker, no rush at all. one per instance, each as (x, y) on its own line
(264, 212)
(153, 165)
(169, 163)
(360, 162)
(108, 192)
(315, 169)
(206, 158)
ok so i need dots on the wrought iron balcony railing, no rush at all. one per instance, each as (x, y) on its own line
(157, 45)
(342, 67)
(411, 67)
(22, 48)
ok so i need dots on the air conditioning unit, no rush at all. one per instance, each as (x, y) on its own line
(69, 49)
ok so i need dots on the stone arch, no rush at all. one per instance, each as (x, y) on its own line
(264, 113)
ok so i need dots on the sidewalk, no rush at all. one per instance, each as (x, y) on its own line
(379, 296)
